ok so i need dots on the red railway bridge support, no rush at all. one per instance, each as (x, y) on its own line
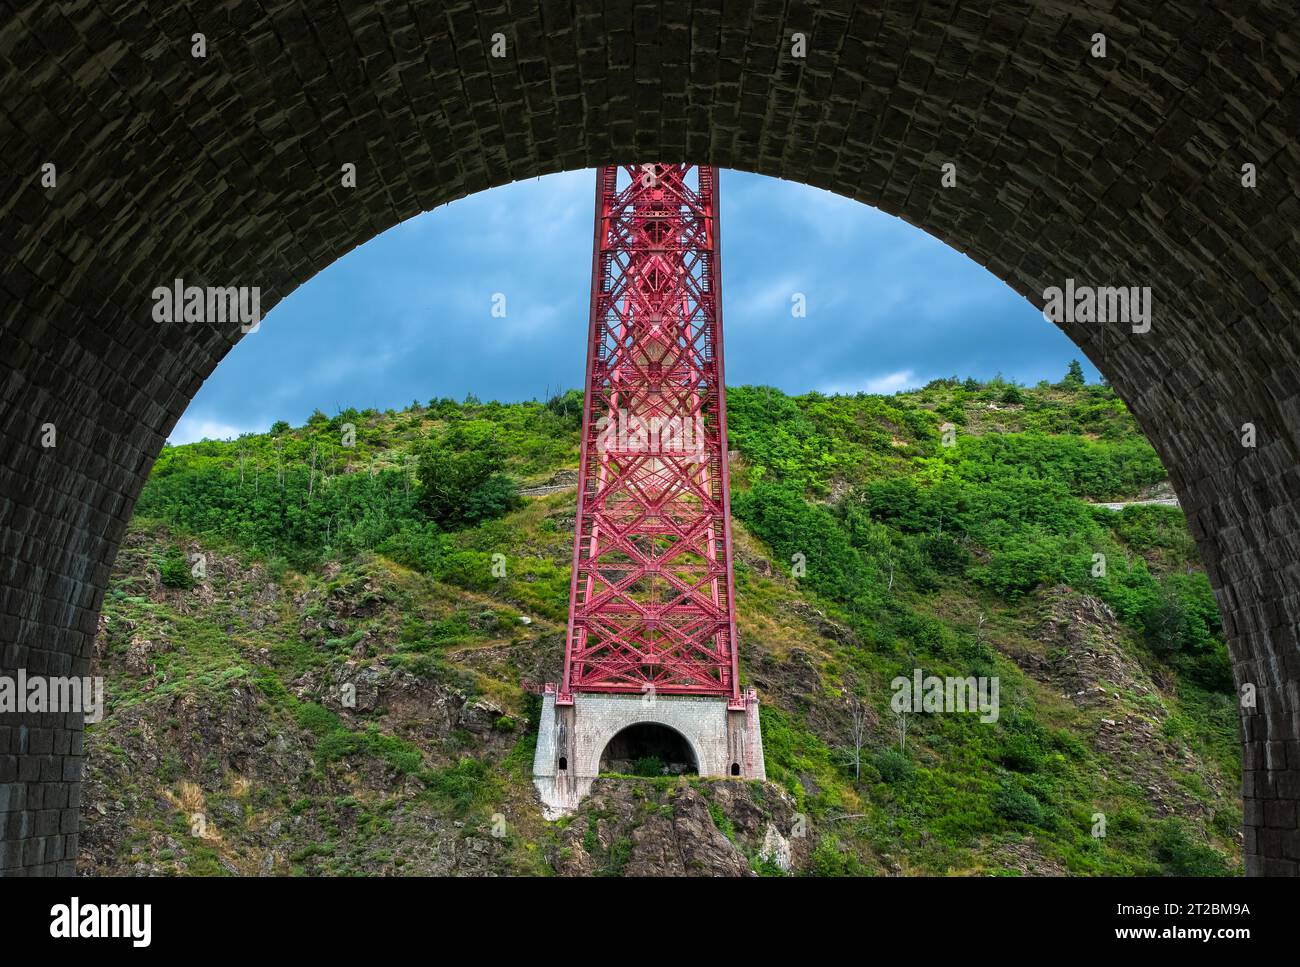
(652, 622)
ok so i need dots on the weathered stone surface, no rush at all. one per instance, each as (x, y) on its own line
(225, 170)
(640, 827)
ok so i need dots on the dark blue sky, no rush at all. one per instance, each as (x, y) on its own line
(409, 315)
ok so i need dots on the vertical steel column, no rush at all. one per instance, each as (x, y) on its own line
(651, 600)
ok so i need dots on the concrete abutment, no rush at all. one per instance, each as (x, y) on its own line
(571, 737)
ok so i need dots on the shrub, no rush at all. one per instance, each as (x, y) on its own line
(1021, 753)
(648, 766)
(828, 859)
(494, 497)
(174, 570)
(1182, 857)
(945, 554)
(791, 525)
(1154, 526)
(894, 766)
(316, 718)
(1017, 806)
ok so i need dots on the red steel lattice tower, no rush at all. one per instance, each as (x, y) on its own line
(652, 604)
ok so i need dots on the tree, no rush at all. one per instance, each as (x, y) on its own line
(567, 406)
(900, 726)
(459, 481)
(279, 427)
(859, 726)
(1075, 376)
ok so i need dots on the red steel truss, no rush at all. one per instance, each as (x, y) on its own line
(651, 605)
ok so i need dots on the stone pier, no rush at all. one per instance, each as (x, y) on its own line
(572, 737)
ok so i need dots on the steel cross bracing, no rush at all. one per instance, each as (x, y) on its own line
(651, 604)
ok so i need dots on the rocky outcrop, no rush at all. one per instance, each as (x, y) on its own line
(1085, 657)
(686, 828)
(402, 702)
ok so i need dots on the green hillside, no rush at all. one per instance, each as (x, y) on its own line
(419, 560)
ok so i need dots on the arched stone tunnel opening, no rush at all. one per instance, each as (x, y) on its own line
(648, 749)
(1172, 161)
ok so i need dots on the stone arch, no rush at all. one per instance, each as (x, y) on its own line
(692, 748)
(701, 722)
(225, 170)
